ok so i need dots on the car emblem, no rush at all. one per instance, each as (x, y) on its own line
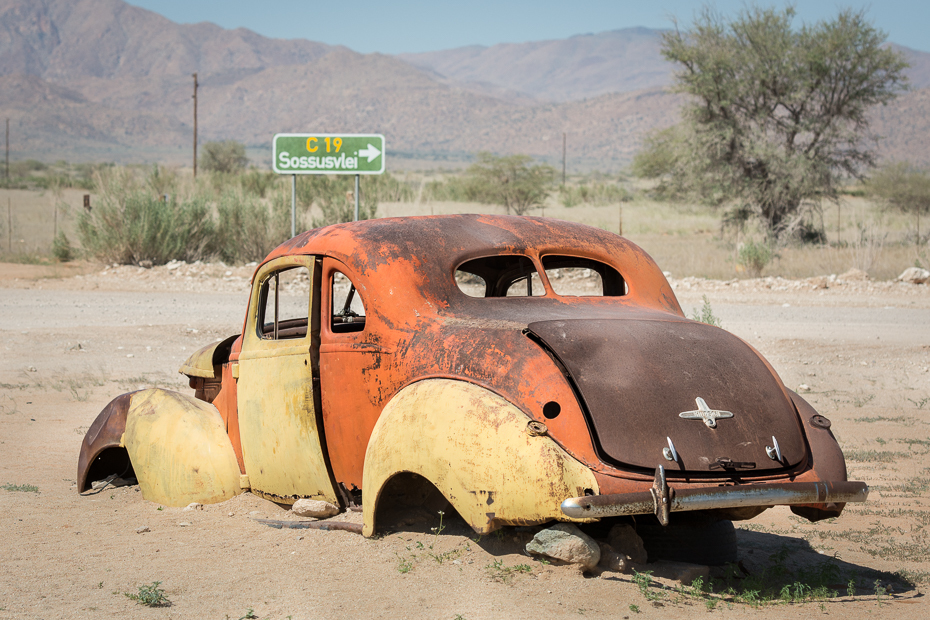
(703, 412)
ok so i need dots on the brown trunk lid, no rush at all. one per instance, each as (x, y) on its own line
(636, 376)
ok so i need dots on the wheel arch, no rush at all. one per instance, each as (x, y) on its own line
(176, 444)
(478, 450)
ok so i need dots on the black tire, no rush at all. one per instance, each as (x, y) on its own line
(696, 540)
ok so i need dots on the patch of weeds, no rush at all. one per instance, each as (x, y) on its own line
(874, 456)
(921, 402)
(505, 574)
(777, 583)
(458, 617)
(634, 608)
(706, 314)
(913, 576)
(643, 580)
(914, 486)
(150, 596)
(404, 565)
(24, 488)
(452, 554)
(910, 443)
(880, 418)
(860, 402)
(249, 615)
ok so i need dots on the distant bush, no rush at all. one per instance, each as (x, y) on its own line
(61, 247)
(226, 156)
(258, 182)
(334, 198)
(453, 189)
(510, 181)
(129, 225)
(754, 256)
(597, 193)
(142, 228)
(247, 229)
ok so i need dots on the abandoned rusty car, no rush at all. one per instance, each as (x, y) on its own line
(531, 370)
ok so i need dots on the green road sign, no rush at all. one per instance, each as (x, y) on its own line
(328, 153)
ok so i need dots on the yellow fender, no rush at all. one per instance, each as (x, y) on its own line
(179, 449)
(478, 450)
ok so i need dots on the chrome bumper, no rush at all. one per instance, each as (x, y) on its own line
(661, 499)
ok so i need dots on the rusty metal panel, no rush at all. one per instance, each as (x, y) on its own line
(278, 416)
(179, 449)
(490, 461)
(640, 380)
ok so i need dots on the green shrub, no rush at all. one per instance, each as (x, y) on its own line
(61, 247)
(754, 257)
(333, 196)
(137, 227)
(150, 596)
(706, 314)
(453, 189)
(248, 229)
(258, 182)
(227, 156)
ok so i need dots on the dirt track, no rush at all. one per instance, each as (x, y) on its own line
(70, 344)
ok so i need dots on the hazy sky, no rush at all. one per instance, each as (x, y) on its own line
(395, 26)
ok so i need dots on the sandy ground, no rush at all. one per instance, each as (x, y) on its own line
(73, 338)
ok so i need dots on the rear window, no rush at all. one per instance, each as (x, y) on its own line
(583, 277)
(499, 276)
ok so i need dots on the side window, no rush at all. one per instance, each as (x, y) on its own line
(583, 277)
(499, 276)
(285, 304)
(348, 311)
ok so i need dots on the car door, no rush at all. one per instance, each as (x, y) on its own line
(278, 389)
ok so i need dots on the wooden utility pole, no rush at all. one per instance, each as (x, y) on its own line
(563, 159)
(195, 125)
(7, 149)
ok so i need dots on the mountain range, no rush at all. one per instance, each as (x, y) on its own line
(93, 80)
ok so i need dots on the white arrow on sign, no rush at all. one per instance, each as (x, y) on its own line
(371, 152)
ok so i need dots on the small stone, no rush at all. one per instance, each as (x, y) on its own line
(611, 560)
(145, 264)
(624, 539)
(143, 529)
(566, 542)
(193, 506)
(184, 524)
(914, 275)
(804, 388)
(315, 508)
(32, 369)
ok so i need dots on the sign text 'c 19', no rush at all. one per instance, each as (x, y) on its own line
(328, 153)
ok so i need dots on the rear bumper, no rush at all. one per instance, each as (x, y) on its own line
(661, 499)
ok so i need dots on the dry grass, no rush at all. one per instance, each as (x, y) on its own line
(685, 240)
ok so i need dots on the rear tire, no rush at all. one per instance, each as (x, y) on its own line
(697, 539)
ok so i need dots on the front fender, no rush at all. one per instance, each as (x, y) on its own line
(478, 450)
(177, 445)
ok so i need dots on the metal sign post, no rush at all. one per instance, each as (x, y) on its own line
(293, 205)
(326, 153)
(356, 198)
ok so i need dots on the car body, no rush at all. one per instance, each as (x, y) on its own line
(454, 350)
